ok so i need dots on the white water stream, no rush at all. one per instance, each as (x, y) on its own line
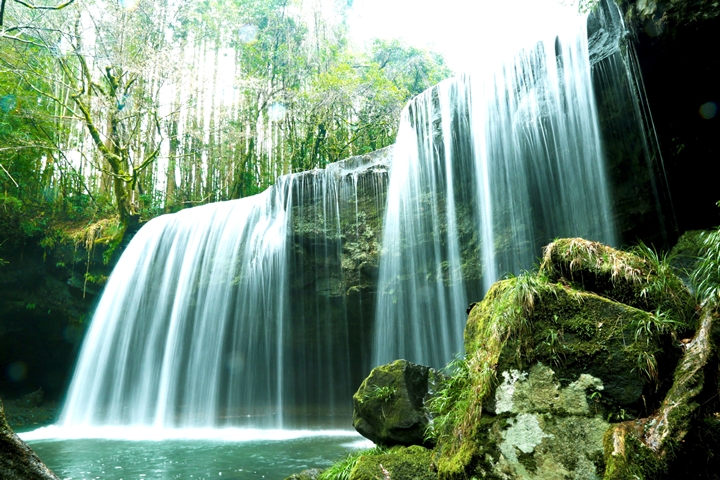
(488, 168)
(235, 314)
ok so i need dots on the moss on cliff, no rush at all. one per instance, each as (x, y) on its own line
(413, 462)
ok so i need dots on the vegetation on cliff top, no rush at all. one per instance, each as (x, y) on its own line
(107, 110)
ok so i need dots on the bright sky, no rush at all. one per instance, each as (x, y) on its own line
(460, 29)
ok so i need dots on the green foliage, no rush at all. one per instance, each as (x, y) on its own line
(97, 279)
(648, 329)
(641, 277)
(449, 403)
(410, 69)
(383, 394)
(706, 277)
(341, 470)
(655, 325)
(553, 341)
(661, 282)
(81, 127)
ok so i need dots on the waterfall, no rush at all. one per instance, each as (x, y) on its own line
(268, 311)
(488, 168)
(234, 313)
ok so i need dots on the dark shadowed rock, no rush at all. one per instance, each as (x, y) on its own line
(389, 408)
(34, 399)
(17, 460)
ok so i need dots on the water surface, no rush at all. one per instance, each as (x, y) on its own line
(271, 457)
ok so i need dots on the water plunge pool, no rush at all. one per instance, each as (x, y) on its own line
(222, 454)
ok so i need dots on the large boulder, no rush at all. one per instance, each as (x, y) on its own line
(17, 460)
(549, 368)
(563, 382)
(390, 408)
(643, 281)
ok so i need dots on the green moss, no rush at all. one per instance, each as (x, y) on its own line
(399, 462)
(626, 457)
(582, 333)
(641, 278)
(574, 357)
(342, 469)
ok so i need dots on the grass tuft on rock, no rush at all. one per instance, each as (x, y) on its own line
(341, 470)
(641, 277)
(706, 277)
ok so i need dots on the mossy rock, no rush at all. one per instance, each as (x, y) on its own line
(544, 430)
(403, 463)
(543, 358)
(576, 333)
(389, 407)
(647, 448)
(641, 281)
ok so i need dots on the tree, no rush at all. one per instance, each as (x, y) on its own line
(165, 106)
(31, 6)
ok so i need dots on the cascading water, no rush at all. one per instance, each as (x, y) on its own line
(487, 169)
(214, 317)
(262, 311)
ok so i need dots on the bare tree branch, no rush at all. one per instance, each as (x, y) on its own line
(32, 7)
(8, 174)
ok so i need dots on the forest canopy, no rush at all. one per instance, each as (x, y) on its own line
(132, 108)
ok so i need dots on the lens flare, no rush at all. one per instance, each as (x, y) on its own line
(129, 4)
(8, 103)
(708, 110)
(17, 371)
(247, 33)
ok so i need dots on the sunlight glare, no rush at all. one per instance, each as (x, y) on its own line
(465, 32)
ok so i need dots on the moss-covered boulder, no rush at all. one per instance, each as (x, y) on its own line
(576, 333)
(389, 408)
(599, 366)
(17, 460)
(548, 367)
(556, 360)
(411, 463)
(640, 279)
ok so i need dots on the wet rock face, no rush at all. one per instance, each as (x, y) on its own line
(17, 460)
(389, 408)
(673, 40)
(45, 305)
